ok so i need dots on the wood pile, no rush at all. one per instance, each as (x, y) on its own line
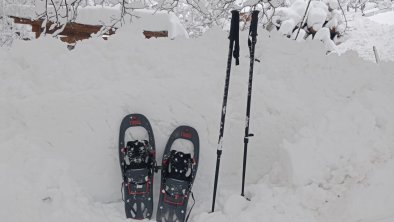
(74, 32)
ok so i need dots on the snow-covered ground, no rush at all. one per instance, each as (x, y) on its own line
(323, 125)
(366, 32)
(384, 18)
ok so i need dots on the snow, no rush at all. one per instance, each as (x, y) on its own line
(333, 4)
(323, 34)
(384, 18)
(284, 14)
(365, 34)
(287, 27)
(152, 20)
(136, 133)
(182, 145)
(299, 7)
(323, 127)
(317, 15)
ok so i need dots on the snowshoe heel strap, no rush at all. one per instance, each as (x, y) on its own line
(137, 181)
(175, 191)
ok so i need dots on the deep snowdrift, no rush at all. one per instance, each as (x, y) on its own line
(323, 127)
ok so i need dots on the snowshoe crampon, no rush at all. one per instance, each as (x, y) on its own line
(137, 162)
(179, 168)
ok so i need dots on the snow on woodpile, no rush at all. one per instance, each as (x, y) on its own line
(323, 126)
(156, 21)
(152, 20)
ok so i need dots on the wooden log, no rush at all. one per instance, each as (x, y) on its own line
(73, 39)
(156, 34)
(36, 29)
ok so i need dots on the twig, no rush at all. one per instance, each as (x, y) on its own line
(376, 55)
(343, 13)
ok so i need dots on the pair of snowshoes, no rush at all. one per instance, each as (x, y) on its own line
(137, 155)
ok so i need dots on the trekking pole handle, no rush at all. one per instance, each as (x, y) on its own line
(253, 24)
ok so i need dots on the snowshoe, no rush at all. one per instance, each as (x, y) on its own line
(137, 162)
(179, 168)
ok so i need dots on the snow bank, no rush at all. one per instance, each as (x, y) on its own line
(323, 127)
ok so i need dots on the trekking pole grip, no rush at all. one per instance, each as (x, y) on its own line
(254, 22)
(234, 35)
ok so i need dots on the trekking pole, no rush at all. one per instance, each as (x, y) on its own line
(251, 43)
(233, 51)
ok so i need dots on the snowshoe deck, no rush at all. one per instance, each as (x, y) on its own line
(137, 162)
(179, 169)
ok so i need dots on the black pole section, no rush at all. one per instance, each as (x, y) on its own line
(233, 51)
(251, 43)
(303, 19)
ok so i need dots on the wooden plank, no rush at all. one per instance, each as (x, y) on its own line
(36, 29)
(73, 39)
(156, 34)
